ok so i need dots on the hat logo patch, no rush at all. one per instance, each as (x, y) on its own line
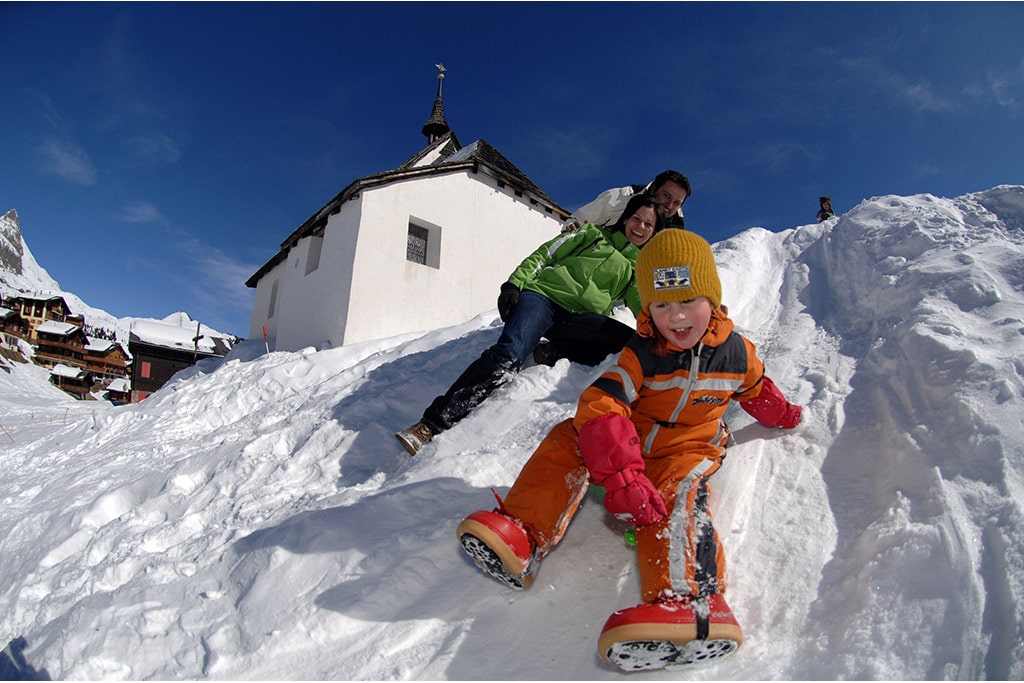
(672, 277)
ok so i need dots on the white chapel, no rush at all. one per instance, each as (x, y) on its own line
(423, 246)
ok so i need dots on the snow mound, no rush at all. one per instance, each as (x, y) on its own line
(256, 519)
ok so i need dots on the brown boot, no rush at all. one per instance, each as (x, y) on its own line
(416, 437)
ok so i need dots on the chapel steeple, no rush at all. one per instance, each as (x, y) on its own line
(436, 125)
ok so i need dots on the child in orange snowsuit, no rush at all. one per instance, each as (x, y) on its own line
(650, 430)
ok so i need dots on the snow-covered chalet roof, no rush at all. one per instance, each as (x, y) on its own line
(94, 345)
(62, 370)
(54, 327)
(120, 384)
(175, 337)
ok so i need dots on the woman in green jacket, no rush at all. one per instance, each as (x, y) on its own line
(564, 292)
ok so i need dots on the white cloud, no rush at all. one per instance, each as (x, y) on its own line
(67, 160)
(217, 282)
(1005, 88)
(142, 212)
(155, 148)
(213, 277)
(920, 95)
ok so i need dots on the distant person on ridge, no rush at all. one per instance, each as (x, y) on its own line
(670, 189)
(563, 291)
(650, 431)
(826, 211)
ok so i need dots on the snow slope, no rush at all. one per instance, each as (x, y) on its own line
(256, 519)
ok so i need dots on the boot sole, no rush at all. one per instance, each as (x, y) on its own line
(666, 645)
(647, 655)
(491, 554)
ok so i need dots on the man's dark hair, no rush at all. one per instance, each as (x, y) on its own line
(634, 203)
(676, 177)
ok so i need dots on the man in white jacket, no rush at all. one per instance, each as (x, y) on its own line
(669, 188)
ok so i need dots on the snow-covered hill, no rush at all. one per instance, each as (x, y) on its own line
(256, 519)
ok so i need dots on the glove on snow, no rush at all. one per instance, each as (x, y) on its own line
(771, 408)
(611, 451)
(507, 300)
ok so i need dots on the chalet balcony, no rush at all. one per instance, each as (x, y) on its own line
(48, 353)
(106, 370)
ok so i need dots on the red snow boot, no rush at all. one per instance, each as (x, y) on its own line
(500, 546)
(669, 634)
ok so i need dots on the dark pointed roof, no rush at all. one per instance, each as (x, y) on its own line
(436, 125)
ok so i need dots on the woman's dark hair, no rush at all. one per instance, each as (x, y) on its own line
(634, 203)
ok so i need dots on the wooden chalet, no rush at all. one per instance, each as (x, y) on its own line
(73, 380)
(37, 310)
(159, 351)
(60, 343)
(12, 328)
(119, 391)
(106, 360)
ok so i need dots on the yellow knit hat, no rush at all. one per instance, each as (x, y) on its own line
(677, 265)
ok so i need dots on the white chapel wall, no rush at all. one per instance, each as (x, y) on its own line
(364, 288)
(485, 232)
(263, 301)
(309, 303)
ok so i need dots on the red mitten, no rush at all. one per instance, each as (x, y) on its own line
(611, 451)
(771, 408)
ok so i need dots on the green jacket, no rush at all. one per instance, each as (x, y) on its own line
(583, 271)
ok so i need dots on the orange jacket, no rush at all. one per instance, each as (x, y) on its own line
(677, 399)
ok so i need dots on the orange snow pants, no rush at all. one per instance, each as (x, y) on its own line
(679, 555)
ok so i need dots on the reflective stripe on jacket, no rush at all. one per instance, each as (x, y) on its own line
(677, 400)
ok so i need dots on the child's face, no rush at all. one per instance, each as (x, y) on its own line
(682, 323)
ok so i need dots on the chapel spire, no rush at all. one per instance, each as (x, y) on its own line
(436, 125)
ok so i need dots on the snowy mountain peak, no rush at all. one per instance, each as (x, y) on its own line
(179, 318)
(10, 242)
(19, 272)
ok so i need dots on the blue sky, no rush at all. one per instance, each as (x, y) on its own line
(158, 153)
